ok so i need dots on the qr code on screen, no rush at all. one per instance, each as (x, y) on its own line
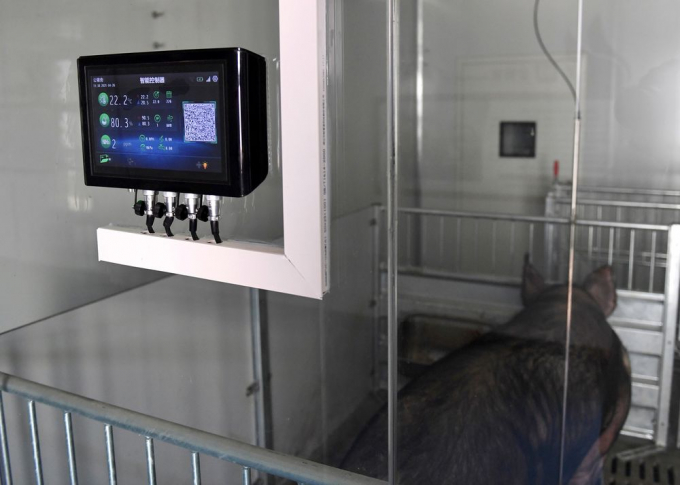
(199, 122)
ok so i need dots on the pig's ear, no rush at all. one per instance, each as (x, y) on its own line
(532, 282)
(600, 285)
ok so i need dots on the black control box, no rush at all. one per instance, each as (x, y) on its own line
(190, 121)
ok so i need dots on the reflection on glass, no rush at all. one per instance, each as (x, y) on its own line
(486, 151)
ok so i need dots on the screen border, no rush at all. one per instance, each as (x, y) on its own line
(235, 181)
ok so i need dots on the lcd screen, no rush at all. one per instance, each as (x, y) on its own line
(158, 121)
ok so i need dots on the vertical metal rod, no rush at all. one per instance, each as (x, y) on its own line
(531, 240)
(458, 239)
(572, 234)
(441, 240)
(246, 475)
(610, 256)
(259, 336)
(590, 243)
(377, 297)
(392, 234)
(110, 454)
(512, 245)
(196, 467)
(35, 442)
(631, 259)
(70, 449)
(652, 263)
(618, 231)
(6, 463)
(599, 232)
(493, 247)
(150, 462)
(476, 242)
(408, 239)
(549, 245)
(670, 325)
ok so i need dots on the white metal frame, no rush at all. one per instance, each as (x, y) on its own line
(301, 266)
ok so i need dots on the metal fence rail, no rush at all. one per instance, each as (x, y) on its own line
(491, 244)
(249, 457)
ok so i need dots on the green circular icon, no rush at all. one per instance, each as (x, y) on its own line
(157, 118)
(103, 99)
(104, 119)
(106, 141)
(156, 94)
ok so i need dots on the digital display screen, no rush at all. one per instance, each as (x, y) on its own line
(160, 121)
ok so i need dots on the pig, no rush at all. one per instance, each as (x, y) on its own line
(491, 412)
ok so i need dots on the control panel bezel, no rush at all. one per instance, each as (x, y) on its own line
(244, 121)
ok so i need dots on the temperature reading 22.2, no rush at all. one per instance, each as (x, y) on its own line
(115, 100)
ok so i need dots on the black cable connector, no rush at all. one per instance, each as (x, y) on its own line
(149, 223)
(215, 229)
(167, 222)
(193, 227)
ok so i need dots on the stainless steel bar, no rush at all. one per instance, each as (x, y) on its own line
(246, 475)
(259, 336)
(631, 259)
(536, 219)
(624, 225)
(610, 256)
(110, 452)
(150, 462)
(409, 247)
(618, 233)
(670, 324)
(493, 246)
(512, 244)
(441, 241)
(652, 263)
(622, 204)
(70, 449)
(4, 446)
(196, 468)
(599, 229)
(284, 466)
(531, 241)
(35, 443)
(476, 244)
(459, 226)
(590, 243)
(392, 231)
(377, 298)
(481, 215)
(572, 230)
(623, 190)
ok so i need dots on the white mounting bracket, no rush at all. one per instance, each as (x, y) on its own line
(300, 267)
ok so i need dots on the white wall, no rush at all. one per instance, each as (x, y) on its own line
(483, 65)
(633, 98)
(48, 250)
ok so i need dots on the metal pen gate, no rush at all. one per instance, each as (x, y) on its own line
(467, 265)
(150, 428)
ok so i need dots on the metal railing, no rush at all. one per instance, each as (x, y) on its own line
(491, 244)
(196, 442)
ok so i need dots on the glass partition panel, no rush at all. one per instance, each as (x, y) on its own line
(486, 132)
(625, 241)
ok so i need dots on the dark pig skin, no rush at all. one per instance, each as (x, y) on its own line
(491, 412)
